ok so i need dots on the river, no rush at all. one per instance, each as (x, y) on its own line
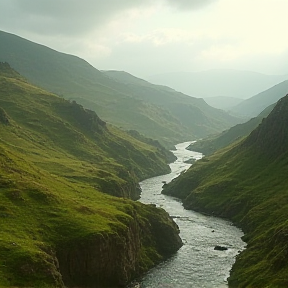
(196, 264)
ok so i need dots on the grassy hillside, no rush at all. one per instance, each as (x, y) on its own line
(213, 143)
(128, 105)
(78, 133)
(57, 226)
(199, 118)
(247, 183)
(254, 105)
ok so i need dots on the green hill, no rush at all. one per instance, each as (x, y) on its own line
(254, 105)
(213, 143)
(247, 183)
(155, 111)
(199, 118)
(59, 166)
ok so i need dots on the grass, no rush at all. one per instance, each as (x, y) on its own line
(56, 160)
(216, 142)
(247, 183)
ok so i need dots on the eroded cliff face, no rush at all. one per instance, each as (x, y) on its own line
(129, 189)
(115, 258)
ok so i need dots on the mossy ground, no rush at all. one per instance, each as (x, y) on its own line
(56, 160)
(247, 183)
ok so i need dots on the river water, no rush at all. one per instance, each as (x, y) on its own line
(196, 264)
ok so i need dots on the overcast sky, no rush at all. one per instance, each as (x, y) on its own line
(146, 37)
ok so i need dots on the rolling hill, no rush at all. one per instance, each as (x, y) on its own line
(253, 106)
(213, 143)
(132, 106)
(246, 182)
(202, 117)
(59, 166)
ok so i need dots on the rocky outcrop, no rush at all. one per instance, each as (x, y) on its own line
(220, 248)
(115, 258)
(115, 187)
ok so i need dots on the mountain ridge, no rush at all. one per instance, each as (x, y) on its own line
(213, 143)
(122, 105)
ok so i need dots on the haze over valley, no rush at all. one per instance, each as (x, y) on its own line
(216, 83)
(143, 144)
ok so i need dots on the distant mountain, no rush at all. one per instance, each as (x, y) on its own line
(222, 82)
(199, 117)
(213, 143)
(247, 183)
(60, 164)
(155, 111)
(254, 105)
(222, 102)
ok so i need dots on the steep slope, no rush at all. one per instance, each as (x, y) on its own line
(117, 103)
(247, 183)
(83, 135)
(218, 82)
(59, 225)
(200, 118)
(213, 143)
(254, 105)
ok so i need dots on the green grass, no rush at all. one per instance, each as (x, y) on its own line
(60, 164)
(247, 183)
(215, 142)
(41, 213)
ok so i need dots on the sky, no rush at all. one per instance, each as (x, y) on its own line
(148, 37)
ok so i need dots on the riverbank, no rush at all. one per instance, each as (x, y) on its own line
(247, 183)
(196, 264)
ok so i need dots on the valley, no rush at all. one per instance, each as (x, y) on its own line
(66, 180)
(119, 98)
(196, 263)
(78, 145)
(246, 182)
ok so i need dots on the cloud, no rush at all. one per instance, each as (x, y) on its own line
(160, 37)
(151, 54)
(75, 17)
(143, 35)
(189, 4)
(62, 16)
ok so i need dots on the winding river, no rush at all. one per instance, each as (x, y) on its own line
(196, 264)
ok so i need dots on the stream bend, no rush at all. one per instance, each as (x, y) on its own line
(196, 264)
